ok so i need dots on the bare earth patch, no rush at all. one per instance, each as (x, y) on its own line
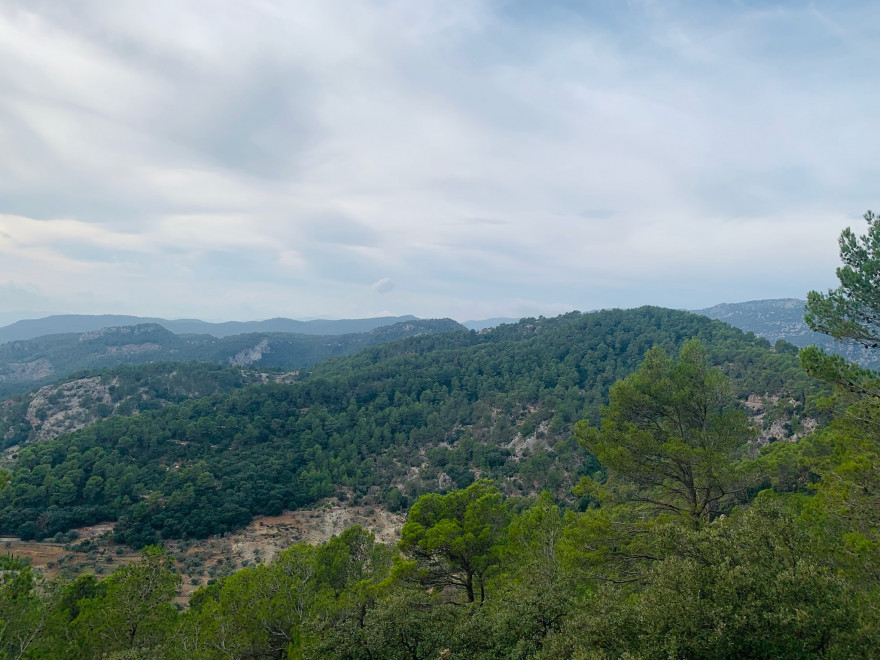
(199, 561)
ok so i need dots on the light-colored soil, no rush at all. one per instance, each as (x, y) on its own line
(198, 561)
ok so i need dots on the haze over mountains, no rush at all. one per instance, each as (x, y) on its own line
(773, 319)
(783, 318)
(55, 324)
(29, 363)
(67, 350)
(61, 323)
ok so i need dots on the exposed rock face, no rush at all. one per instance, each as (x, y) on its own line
(57, 409)
(521, 446)
(777, 419)
(28, 364)
(133, 330)
(444, 481)
(133, 349)
(250, 355)
(15, 372)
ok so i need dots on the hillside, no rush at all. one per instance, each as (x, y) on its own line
(783, 318)
(28, 364)
(394, 421)
(126, 390)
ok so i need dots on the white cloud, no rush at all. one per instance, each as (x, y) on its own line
(385, 285)
(269, 158)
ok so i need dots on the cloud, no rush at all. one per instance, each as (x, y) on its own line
(15, 297)
(268, 159)
(385, 285)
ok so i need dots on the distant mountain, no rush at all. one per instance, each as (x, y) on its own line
(489, 323)
(64, 323)
(31, 363)
(783, 318)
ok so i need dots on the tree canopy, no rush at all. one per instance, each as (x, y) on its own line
(673, 430)
(851, 312)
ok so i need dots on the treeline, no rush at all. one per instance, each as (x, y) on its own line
(389, 424)
(691, 546)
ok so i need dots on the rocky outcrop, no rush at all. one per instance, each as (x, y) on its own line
(250, 355)
(777, 419)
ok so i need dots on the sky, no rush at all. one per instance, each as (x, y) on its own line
(231, 160)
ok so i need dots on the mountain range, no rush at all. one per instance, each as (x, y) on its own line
(26, 364)
(64, 323)
(35, 352)
(783, 318)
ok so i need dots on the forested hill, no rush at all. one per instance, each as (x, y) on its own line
(86, 398)
(27, 364)
(422, 414)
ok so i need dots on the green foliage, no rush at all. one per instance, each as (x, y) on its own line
(500, 403)
(851, 312)
(753, 584)
(456, 538)
(25, 364)
(748, 586)
(781, 321)
(9, 562)
(645, 571)
(22, 611)
(133, 608)
(131, 389)
(671, 428)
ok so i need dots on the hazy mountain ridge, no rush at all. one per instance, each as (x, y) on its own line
(783, 318)
(26, 364)
(66, 323)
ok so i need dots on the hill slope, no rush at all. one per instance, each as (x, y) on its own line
(125, 390)
(389, 423)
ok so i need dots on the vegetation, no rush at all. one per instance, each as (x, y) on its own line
(852, 311)
(87, 397)
(784, 319)
(389, 424)
(481, 575)
(672, 429)
(25, 364)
